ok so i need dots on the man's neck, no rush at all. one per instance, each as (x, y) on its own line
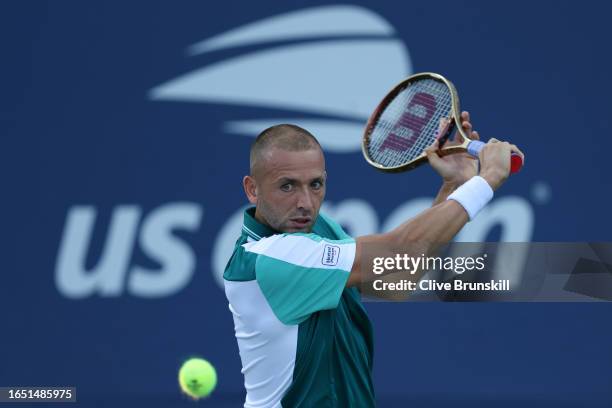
(261, 220)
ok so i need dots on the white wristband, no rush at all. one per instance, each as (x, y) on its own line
(473, 195)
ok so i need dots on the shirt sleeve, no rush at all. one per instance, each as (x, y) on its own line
(300, 274)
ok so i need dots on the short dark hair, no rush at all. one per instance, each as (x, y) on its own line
(284, 136)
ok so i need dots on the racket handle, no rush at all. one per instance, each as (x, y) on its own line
(516, 162)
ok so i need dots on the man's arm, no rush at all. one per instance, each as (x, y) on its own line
(437, 225)
(417, 236)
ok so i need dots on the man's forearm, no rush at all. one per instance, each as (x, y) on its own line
(417, 236)
(438, 224)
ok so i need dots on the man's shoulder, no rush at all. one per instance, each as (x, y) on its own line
(241, 265)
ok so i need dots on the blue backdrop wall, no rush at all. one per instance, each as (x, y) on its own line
(125, 129)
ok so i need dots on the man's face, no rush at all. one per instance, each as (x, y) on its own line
(290, 189)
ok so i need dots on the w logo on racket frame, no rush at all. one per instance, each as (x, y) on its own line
(275, 64)
(419, 112)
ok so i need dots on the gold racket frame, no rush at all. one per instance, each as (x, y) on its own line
(456, 116)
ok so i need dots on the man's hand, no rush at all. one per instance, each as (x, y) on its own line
(455, 169)
(495, 161)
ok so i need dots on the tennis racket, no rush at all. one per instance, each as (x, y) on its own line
(406, 122)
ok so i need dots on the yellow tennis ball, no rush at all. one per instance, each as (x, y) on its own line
(197, 378)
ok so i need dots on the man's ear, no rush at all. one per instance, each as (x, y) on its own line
(250, 189)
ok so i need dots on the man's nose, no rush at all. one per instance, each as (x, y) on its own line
(305, 200)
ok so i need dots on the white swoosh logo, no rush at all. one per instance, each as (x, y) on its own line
(342, 78)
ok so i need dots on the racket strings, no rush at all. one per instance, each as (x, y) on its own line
(391, 147)
(409, 123)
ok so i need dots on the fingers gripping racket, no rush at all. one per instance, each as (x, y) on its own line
(406, 123)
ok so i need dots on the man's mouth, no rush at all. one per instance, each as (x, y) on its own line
(300, 222)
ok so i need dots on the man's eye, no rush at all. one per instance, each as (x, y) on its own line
(317, 185)
(286, 187)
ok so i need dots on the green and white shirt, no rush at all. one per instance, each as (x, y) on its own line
(304, 339)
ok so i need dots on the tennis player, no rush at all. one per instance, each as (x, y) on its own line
(292, 282)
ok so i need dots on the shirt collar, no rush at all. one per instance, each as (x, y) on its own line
(254, 228)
